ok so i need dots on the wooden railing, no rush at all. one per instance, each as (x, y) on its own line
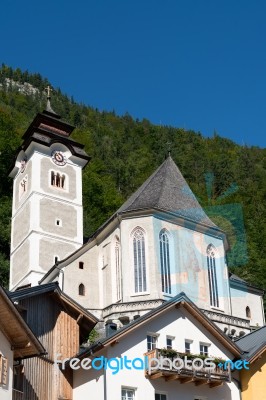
(17, 395)
(206, 373)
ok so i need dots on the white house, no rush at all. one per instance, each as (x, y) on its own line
(178, 325)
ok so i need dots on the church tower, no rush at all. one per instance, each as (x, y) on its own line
(47, 213)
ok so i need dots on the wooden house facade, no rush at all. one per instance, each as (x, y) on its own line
(61, 325)
(17, 342)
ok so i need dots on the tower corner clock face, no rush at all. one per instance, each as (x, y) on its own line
(58, 158)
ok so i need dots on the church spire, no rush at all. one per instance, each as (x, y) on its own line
(48, 89)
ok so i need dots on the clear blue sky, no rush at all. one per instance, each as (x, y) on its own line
(198, 64)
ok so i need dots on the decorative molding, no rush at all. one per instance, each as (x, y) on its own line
(227, 319)
(131, 306)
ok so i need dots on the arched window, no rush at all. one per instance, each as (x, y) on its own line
(58, 180)
(165, 262)
(213, 287)
(139, 261)
(248, 313)
(117, 268)
(81, 290)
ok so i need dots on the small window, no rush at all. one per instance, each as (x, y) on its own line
(18, 376)
(169, 343)
(248, 313)
(81, 265)
(204, 349)
(58, 222)
(187, 346)
(128, 394)
(81, 290)
(160, 396)
(151, 342)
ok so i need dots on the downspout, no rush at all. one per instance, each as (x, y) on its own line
(239, 386)
(121, 258)
(104, 384)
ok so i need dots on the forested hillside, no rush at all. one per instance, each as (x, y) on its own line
(125, 152)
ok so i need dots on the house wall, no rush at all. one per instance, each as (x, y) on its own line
(5, 350)
(253, 380)
(177, 323)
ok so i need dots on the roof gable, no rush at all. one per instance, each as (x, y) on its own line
(19, 334)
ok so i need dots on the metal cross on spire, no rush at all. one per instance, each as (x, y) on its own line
(169, 147)
(48, 90)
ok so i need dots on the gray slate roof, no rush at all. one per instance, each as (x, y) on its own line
(167, 190)
(252, 342)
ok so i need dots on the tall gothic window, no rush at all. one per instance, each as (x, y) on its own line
(212, 277)
(117, 268)
(165, 262)
(139, 261)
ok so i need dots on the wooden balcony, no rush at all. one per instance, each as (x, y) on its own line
(186, 374)
(17, 395)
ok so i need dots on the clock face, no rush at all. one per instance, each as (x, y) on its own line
(58, 158)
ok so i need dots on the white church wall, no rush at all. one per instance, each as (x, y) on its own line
(58, 219)
(88, 276)
(243, 298)
(23, 180)
(21, 220)
(188, 262)
(127, 229)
